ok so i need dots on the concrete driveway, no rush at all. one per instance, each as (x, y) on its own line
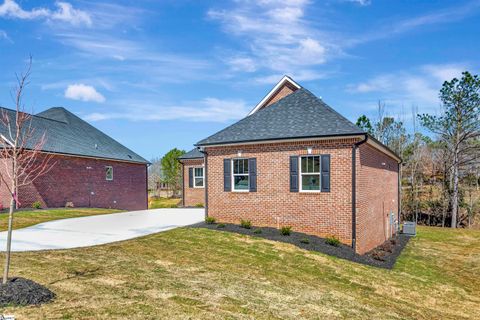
(95, 230)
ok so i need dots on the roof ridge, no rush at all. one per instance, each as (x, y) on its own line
(261, 111)
(33, 115)
(330, 108)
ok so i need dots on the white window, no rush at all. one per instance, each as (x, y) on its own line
(310, 173)
(109, 173)
(198, 177)
(240, 175)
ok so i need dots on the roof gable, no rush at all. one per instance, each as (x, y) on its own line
(192, 154)
(298, 115)
(282, 89)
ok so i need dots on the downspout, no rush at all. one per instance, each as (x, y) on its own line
(354, 191)
(399, 199)
(206, 181)
(183, 184)
(146, 181)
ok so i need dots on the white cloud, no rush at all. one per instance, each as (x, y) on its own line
(361, 2)
(378, 83)
(299, 75)
(243, 64)
(206, 110)
(391, 27)
(4, 35)
(83, 92)
(445, 72)
(276, 36)
(67, 13)
(64, 13)
(419, 87)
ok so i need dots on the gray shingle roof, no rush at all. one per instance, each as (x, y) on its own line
(68, 134)
(298, 115)
(192, 154)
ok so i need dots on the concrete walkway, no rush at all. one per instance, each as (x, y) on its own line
(101, 229)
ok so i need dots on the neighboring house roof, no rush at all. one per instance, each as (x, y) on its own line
(68, 134)
(192, 154)
(299, 115)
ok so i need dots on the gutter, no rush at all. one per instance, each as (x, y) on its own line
(275, 140)
(354, 191)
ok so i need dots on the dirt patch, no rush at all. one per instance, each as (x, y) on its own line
(23, 292)
(383, 256)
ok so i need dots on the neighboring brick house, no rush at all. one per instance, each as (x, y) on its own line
(294, 161)
(193, 173)
(90, 168)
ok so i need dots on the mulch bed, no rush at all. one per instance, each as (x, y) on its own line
(384, 256)
(23, 292)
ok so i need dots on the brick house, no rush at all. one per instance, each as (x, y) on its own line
(90, 168)
(294, 161)
(193, 187)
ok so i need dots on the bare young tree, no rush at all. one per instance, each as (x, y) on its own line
(21, 153)
(458, 128)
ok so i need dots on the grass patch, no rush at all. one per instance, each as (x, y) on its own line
(170, 275)
(158, 203)
(22, 219)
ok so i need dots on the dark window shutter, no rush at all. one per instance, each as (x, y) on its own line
(252, 174)
(227, 175)
(325, 173)
(190, 177)
(293, 173)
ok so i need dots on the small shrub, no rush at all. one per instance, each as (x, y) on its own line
(209, 220)
(257, 231)
(333, 241)
(285, 231)
(199, 205)
(221, 225)
(379, 255)
(305, 241)
(36, 205)
(247, 224)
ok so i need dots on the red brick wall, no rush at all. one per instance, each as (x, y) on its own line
(70, 181)
(325, 213)
(192, 196)
(377, 196)
(281, 93)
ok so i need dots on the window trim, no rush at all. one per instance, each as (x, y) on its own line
(106, 174)
(233, 174)
(301, 174)
(202, 176)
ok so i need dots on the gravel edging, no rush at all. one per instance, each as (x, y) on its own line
(23, 292)
(384, 256)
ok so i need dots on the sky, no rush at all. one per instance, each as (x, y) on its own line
(155, 75)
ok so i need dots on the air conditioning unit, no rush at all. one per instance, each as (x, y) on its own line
(410, 228)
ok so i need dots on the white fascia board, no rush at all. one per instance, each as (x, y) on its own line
(269, 95)
(380, 147)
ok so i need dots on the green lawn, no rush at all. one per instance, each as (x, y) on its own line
(156, 203)
(22, 219)
(208, 274)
